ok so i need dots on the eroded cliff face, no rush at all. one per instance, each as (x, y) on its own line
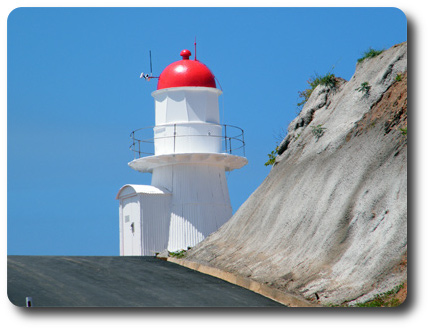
(329, 223)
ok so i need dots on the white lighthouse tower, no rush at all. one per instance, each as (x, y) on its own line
(188, 198)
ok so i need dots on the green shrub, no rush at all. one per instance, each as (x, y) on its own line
(328, 80)
(369, 54)
(364, 88)
(318, 131)
(272, 157)
(178, 254)
(383, 300)
(386, 299)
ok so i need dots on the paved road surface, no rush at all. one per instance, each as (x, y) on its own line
(62, 281)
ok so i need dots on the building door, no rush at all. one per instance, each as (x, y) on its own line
(131, 227)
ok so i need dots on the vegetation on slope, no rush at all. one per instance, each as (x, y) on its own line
(369, 54)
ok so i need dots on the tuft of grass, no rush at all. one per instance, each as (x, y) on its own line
(318, 131)
(379, 301)
(178, 254)
(364, 88)
(279, 137)
(328, 80)
(369, 54)
(272, 157)
(386, 299)
(404, 130)
(399, 77)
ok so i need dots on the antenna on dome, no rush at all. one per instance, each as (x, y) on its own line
(148, 77)
(150, 62)
(195, 48)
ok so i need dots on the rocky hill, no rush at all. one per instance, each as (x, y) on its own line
(329, 223)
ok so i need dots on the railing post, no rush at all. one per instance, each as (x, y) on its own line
(174, 138)
(243, 143)
(225, 137)
(134, 146)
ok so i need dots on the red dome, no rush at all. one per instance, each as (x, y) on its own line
(186, 72)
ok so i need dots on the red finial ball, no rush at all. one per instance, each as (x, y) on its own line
(185, 54)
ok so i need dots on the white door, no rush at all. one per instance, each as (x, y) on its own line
(131, 227)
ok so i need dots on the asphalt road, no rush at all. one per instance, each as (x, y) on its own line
(64, 281)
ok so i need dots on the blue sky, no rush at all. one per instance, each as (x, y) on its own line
(74, 95)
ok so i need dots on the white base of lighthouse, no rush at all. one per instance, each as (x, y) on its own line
(188, 200)
(200, 201)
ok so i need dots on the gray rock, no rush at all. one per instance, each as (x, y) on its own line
(163, 254)
(330, 220)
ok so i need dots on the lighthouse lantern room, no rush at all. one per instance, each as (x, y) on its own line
(188, 197)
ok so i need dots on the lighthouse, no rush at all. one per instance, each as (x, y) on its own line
(188, 153)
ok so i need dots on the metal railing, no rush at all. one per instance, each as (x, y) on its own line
(144, 146)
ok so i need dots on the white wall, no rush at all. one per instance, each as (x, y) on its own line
(187, 120)
(155, 218)
(200, 201)
(187, 138)
(186, 104)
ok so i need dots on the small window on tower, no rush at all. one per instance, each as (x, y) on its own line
(127, 218)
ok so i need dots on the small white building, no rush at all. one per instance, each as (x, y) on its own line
(142, 231)
(188, 198)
